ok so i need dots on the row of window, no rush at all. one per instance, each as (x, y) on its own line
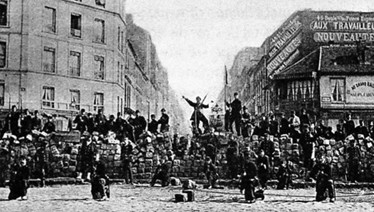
(48, 99)
(49, 96)
(49, 14)
(75, 63)
(298, 90)
(49, 25)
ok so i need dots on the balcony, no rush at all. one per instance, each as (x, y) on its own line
(68, 107)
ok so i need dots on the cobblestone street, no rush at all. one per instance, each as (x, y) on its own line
(144, 198)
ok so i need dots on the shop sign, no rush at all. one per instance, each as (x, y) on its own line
(284, 54)
(360, 89)
(343, 28)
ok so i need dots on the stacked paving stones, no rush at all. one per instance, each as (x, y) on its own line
(64, 160)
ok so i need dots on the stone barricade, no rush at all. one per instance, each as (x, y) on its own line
(63, 153)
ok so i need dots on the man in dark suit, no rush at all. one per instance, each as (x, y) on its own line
(236, 107)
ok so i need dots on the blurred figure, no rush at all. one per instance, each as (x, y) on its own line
(321, 172)
(81, 121)
(36, 121)
(49, 126)
(284, 125)
(164, 121)
(263, 165)
(12, 122)
(349, 125)
(245, 122)
(153, 125)
(100, 189)
(19, 180)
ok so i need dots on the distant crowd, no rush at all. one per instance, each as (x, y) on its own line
(131, 125)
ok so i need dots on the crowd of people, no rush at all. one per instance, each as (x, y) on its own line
(22, 126)
(241, 162)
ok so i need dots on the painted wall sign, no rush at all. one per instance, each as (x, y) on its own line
(284, 54)
(360, 89)
(284, 35)
(343, 28)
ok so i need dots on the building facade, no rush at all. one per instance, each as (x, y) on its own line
(313, 61)
(60, 56)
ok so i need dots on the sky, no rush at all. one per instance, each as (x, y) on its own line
(195, 39)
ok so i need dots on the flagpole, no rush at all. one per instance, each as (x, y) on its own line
(225, 88)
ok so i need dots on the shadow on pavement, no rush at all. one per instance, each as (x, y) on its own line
(68, 200)
(290, 201)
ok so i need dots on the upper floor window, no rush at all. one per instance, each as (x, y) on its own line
(337, 90)
(76, 25)
(48, 97)
(99, 31)
(2, 54)
(3, 12)
(75, 63)
(99, 67)
(49, 60)
(49, 18)
(100, 3)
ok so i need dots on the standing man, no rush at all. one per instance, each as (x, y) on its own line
(164, 121)
(81, 121)
(197, 114)
(295, 126)
(354, 156)
(12, 121)
(236, 107)
(140, 124)
(246, 122)
(307, 143)
(349, 126)
(26, 123)
(268, 146)
(118, 127)
(304, 118)
(88, 156)
(263, 168)
(153, 125)
(273, 126)
(100, 121)
(126, 151)
(36, 121)
(228, 127)
(284, 125)
(41, 160)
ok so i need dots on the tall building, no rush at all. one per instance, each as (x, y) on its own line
(60, 56)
